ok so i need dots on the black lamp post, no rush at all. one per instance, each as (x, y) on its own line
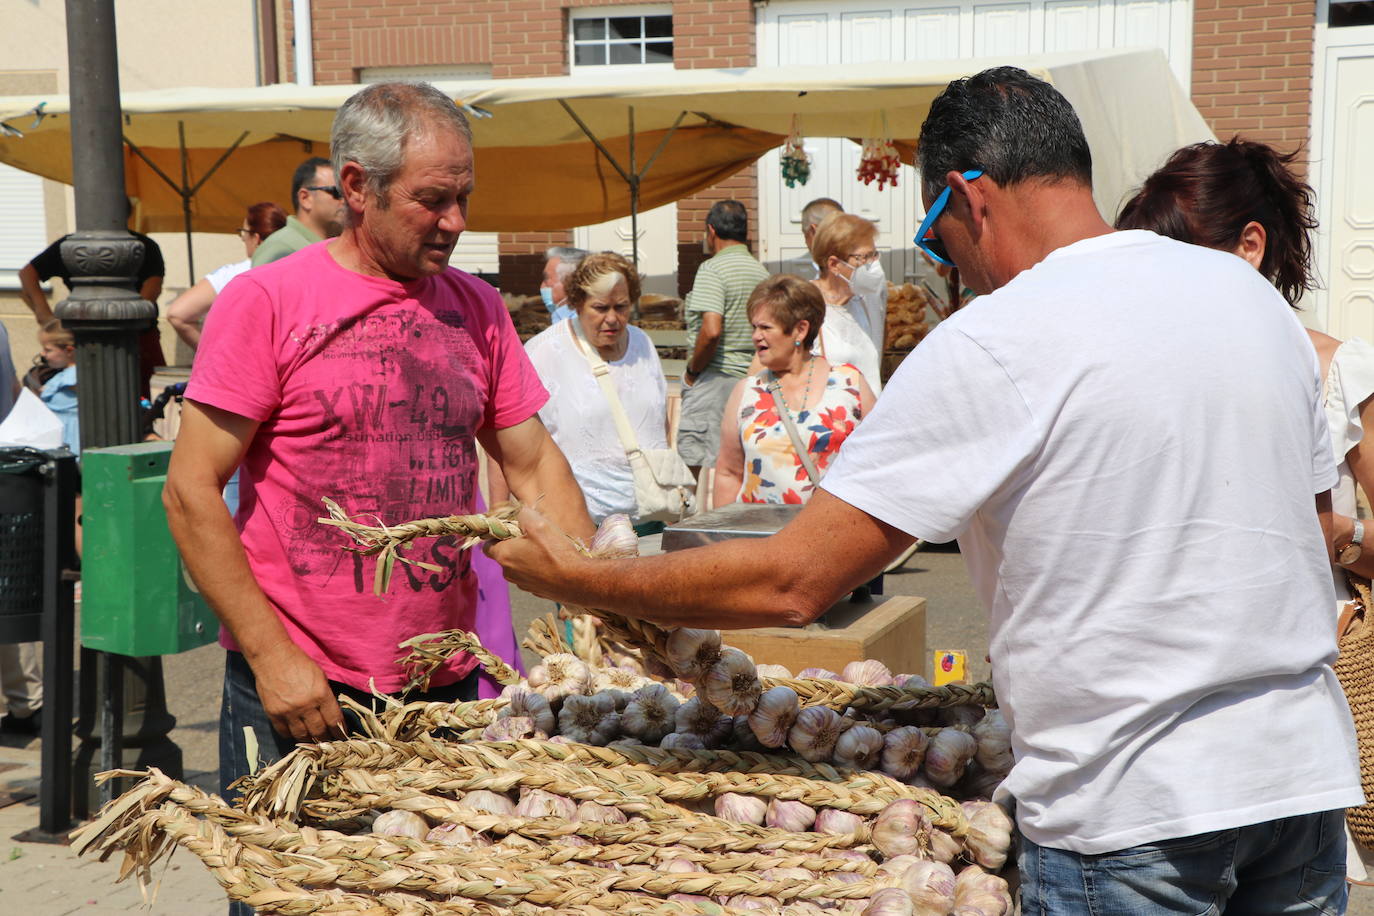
(106, 315)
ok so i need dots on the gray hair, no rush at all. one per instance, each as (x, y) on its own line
(374, 125)
(814, 213)
(568, 259)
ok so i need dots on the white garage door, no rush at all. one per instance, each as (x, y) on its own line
(839, 32)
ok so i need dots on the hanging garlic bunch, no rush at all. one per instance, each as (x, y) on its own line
(561, 674)
(650, 714)
(589, 720)
(948, 755)
(859, 747)
(994, 743)
(902, 828)
(815, 732)
(930, 885)
(732, 683)
(904, 749)
(700, 718)
(691, 653)
(774, 716)
(521, 702)
(742, 809)
(988, 840)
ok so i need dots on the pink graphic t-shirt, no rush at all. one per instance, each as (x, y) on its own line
(370, 392)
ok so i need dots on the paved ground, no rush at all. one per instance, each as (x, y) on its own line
(48, 880)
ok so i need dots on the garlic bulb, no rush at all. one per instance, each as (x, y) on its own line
(592, 813)
(948, 755)
(522, 702)
(834, 822)
(650, 714)
(890, 901)
(848, 855)
(859, 747)
(779, 671)
(625, 741)
(742, 809)
(690, 652)
(868, 673)
(538, 803)
(682, 741)
(902, 828)
(974, 888)
(931, 886)
(988, 840)
(943, 847)
(774, 716)
(993, 735)
(732, 684)
(744, 902)
(560, 675)
(615, 538)
(819, 674)
(742, 736)
(815, 732)
(589, 720)
(618, 679)
(789, 815)
(488, 802)
(910, 680)
(704, 720)
(894, 867)
(679, 867)
(903, 750)
(401, 823)
(455, 835)
(511, 728)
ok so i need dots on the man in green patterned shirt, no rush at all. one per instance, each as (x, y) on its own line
(719, 335)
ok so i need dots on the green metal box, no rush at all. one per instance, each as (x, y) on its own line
(136, 596)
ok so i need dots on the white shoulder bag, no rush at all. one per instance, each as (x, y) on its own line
(665, 489)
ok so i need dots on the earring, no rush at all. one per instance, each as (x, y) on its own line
(796, 343)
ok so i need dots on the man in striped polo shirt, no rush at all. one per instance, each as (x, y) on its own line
(718, 331)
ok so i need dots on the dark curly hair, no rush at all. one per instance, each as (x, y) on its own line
(1207, 193)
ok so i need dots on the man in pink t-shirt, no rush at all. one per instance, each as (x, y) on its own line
(366, 370)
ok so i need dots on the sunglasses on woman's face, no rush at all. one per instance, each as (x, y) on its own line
(926, 239)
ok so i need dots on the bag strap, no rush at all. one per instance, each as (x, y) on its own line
(602, 372)
(775, 390)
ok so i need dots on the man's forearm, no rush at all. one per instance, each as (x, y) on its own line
(703, 352)
(214, 556)
(31, 291)
(551, 484)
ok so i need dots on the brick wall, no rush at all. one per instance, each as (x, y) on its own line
(1252, 68)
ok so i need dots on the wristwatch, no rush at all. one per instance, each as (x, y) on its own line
(1351, 552)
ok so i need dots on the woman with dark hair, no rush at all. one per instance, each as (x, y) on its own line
(798, 398)
(1243, 197)
(187, 311)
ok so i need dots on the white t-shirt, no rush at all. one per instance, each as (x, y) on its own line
(220, 277)
(579, 419)
(1126, 440)
(841, 340)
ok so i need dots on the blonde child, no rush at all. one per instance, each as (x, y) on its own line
(59, 392)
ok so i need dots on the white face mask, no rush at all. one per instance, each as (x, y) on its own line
(868, 280)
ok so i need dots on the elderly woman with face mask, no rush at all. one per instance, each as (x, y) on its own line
(601, 292)
(855, 290)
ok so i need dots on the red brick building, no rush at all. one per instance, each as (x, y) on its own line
(1248, 64)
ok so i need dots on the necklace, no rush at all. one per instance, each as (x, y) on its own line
(806, 392)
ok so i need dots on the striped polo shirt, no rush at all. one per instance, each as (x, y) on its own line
(723, 284)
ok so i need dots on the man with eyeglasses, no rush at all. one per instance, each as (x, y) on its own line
(1125, 434)
(319, 212)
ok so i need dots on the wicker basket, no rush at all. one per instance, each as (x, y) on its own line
(1355, 669)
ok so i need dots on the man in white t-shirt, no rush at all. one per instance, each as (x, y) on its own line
(1125, 435)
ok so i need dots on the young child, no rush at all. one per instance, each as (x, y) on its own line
(59, 392)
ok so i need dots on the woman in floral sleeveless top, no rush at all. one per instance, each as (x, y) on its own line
(758, 462)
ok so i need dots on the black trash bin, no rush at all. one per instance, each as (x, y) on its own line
(21, 543)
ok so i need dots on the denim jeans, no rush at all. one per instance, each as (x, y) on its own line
(1292, 865)
(241, 708)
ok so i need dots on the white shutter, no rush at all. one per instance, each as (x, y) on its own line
(23, 231)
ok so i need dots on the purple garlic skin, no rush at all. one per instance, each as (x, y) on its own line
(793, 816)
(400, 823)
(742, 809)
(834, 822)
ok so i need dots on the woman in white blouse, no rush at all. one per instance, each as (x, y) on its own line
(601, 292)
(851, 280)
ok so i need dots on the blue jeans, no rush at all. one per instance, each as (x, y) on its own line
(241, 708)
(1292, 865)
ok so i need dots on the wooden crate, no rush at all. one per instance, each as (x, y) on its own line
(892, 631)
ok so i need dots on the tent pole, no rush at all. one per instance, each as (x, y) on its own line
(184, 191)
(634, 209)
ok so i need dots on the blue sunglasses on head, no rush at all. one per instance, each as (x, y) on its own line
(926, 239)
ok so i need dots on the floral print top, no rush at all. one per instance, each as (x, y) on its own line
(773, 472)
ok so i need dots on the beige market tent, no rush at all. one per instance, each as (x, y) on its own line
(537, 166)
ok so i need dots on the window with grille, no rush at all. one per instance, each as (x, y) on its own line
(623, 39)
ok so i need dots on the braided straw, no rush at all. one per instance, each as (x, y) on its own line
(430, 650)
(545, 637)
(1355, 669)
(388, 540)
